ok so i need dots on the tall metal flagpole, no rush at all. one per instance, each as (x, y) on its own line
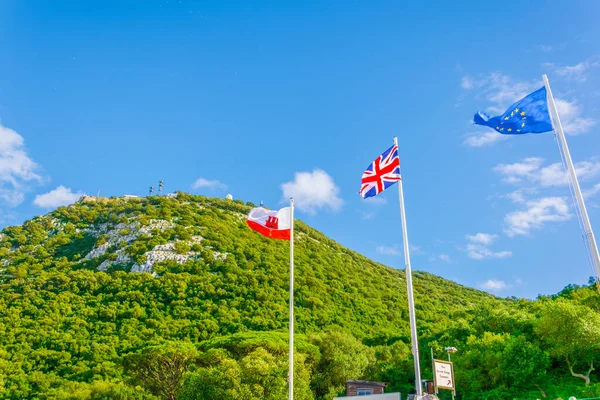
(589, 233)
(291, 366)
(411, 301)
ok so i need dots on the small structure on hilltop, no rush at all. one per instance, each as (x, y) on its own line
(229, 197)
(88, 199)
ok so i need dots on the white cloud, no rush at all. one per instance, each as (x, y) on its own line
(312, 191)
(445, 258)
(518, 196)
(500, 89)
(210, 184)
(483, 238)
(592, 191)
(537, 213)
(577, 72)
(520, 169)
(478, 247)
(531, 170)
(416, 250)
(480, 252)
(387, 250)
(552, 175)
(485, 139)
(555, 174)
(466, 82)
(61, 196)
(493, 285)
(570, 117)
(17, 170)
(519, 282)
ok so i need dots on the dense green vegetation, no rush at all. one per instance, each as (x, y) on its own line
(208, 317)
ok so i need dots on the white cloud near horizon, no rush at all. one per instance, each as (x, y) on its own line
(207, 183)
(387, 250)
(493, 285)
(536, 214)
(416, 250)
(313, 191)
(61, 196)
(478, 247)
(17, 169)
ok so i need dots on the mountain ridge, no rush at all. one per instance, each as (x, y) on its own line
(72, 314)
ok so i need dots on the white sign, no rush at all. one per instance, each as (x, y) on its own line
(444, 374)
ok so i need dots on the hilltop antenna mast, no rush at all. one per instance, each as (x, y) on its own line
(160, 187)
(151, 190)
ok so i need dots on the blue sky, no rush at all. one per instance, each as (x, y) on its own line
(267, 99)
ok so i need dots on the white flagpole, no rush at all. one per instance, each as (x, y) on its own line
(411, 301)
(589, 233)
(291, 366)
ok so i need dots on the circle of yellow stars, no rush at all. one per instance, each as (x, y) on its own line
(512, 114)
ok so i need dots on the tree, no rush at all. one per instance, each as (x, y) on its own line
(523, 363)
(260, 375)
(343, 357)
(161, 368)
(571, 332)
(478, 367)
(222, 381)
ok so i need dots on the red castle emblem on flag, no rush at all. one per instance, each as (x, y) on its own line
(272, 222)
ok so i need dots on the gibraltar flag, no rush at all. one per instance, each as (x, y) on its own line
(270, 223)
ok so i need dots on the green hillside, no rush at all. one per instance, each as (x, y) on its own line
(204, 313)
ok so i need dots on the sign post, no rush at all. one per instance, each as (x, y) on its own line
(443, 376)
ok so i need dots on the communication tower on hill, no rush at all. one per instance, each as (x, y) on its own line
(151, 190)
(160, 187)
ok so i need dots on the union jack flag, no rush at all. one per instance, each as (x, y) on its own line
(381, 174)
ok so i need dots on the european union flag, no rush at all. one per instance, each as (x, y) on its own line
(528, 115)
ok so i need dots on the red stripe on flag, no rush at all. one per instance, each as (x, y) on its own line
(282, 234)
